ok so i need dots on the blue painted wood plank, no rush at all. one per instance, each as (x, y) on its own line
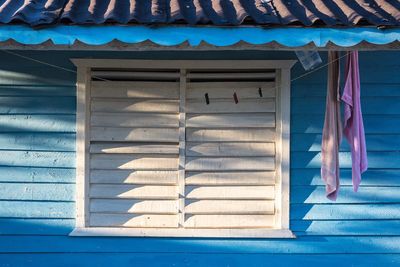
(345, 211)
(374, 124)
(28, 90)
(375, 142)
(37, 209)
(37, 191)
(37, 105)
(373, 177)
(370, 105)
(348, 228)
(38, 141)
(38, 159)
(316, 194)
(303, 244)
(37, 75)
(378, 160)
(15, 226)
(39, 175)
(196, 260)
(37, 123)
(368, 74)
(367, 89)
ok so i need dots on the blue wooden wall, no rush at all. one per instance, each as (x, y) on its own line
(37, 142)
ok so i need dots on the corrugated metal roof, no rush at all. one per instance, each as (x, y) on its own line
(216, 12)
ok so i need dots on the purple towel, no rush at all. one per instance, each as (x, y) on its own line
(332, 132)
(353, 121)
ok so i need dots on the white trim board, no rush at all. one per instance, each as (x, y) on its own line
(168, 232)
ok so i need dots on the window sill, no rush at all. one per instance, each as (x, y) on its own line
(170, 232)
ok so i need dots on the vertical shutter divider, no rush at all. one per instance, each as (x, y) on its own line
(182, 146)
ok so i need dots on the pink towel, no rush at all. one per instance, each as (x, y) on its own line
(353, 121)
(332, 132)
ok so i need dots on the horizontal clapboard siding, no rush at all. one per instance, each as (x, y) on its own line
(34, 232)
(37, 138)
(372, 211)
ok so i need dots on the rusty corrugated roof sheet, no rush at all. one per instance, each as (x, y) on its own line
(216, 12)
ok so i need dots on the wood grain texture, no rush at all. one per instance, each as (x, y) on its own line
(231, 149)
(37, 209)
(231, 135)
(229, 192)
(230, 164)
(222, 90)
(132, 220)
(37, 191)
(133, 148)
(231, 178)
(134, 134)
(136, 89)
(230, 207)
(134, 120)
(133, 177)
(133, 161)
(134, 191)
(229, 221)
(229, 106)
(135, 105)
(231, 120)
(195, 259)
(134, 206)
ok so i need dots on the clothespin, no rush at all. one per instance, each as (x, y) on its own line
(260, 92)
(235, 98)
(207, 99)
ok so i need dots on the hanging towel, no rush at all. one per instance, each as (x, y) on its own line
(353, 121)
(332, 132)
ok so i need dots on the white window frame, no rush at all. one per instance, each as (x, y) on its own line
(282, 67)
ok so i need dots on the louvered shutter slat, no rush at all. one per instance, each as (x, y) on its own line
(134, 149)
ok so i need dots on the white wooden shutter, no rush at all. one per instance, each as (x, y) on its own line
(134, 149)
(230, 150)
(159, 161)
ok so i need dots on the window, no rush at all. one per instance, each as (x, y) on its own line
(183, 148)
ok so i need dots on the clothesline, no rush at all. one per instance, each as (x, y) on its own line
(102, 79)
